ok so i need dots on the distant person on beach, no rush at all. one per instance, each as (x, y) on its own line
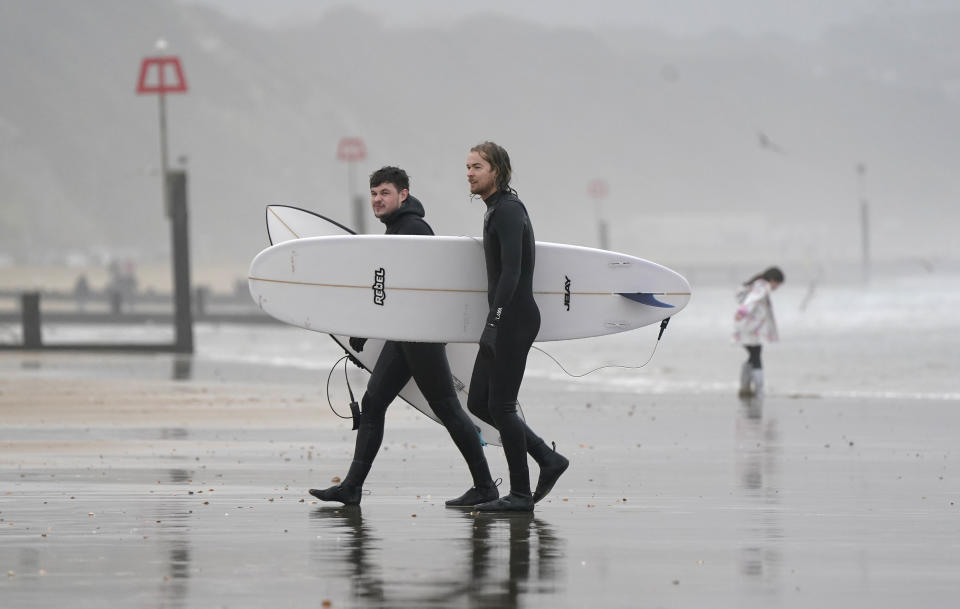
(426, 363)
(122, 287)
(510, 329)
(81, 291)
(755, 324)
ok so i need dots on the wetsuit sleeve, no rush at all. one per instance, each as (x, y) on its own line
(508, 222)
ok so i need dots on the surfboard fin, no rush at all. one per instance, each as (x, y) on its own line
(646, 298)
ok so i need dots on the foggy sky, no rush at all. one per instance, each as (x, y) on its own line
(718, 148)
(801, 19)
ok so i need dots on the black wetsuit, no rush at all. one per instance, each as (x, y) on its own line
(509, 248)
(427, 364)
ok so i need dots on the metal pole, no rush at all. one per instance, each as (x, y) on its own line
(597, 189)
(604, 236)
(602, 233)
(164, 167)
(359, 214)
(864, 223)
(356, 201)
(865, 232)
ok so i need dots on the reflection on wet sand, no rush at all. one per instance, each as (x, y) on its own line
(174, 530)
(182, 368)
(757, 461)
(356, 553)
(503, 557)
(531, 543)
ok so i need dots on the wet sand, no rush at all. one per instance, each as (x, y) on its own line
(162, 493)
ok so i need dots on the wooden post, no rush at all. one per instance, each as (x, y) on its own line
(177, 191)
(200, 296)
(116, 302)
(30, 318)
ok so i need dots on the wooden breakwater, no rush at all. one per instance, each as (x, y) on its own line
(31, 310)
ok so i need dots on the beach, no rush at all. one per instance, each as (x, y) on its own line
(171, 481)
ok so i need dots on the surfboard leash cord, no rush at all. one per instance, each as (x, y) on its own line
(354, 407)
(663, 326)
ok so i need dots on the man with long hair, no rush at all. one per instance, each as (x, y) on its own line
(511, 327)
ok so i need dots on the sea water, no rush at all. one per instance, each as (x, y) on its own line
(894, 337)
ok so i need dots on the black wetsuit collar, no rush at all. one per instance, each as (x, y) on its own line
(411, 206)
(495, 198)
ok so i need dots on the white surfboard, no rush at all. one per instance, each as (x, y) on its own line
(286, 223)
(434, 289)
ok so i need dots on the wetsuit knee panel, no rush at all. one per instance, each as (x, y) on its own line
(477, 406)
(505, 408)
(372, 408)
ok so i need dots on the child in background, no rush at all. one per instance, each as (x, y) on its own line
(755, 324)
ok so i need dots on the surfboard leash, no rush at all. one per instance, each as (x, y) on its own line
(354, 407)
(663, 326)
